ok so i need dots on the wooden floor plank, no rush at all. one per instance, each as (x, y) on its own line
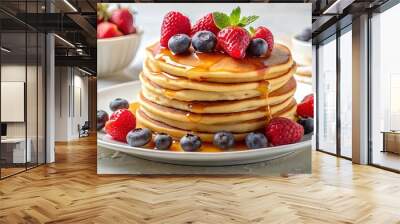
(70, 191)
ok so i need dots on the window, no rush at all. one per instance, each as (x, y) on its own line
(385, 89)
(327, 96)
(346, 93)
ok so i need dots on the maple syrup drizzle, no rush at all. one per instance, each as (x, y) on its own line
(197, 107)
(169, 93)
(263, 88)
(193, 117)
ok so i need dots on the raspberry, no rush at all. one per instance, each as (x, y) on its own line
(305, 109)
(234, 40)
(173, 23)
(121, 122)
(205, 23)
(283, 131)
(264, 33)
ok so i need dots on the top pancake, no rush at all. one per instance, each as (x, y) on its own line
(218, 67)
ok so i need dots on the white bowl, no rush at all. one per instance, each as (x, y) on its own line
(116, 53)
(302, 51)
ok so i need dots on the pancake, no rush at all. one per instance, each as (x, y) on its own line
(276, 97)
(184, 116)
(171, 82)
(234, 126)
(196, 95)
(304, 71)
(218, 67)
(177, 133)
(303, 79)
(304, 74)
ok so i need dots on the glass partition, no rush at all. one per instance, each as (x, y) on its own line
(346, 93)
(385, 90)
(14, 153)
(22, 90)
(31, 97)
(327, 96)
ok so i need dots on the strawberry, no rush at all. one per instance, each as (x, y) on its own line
(232, 37)
(102, 13)
(205, 23)
(234, 40)
(173, 23)
(263, 33)
(305, 109)
(283, 131)
(121, 122)
(123, 18)
(107, 30)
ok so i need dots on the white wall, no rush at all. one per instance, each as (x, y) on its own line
(71, 94)
(17, 73)
(33, 127)
(61, 104)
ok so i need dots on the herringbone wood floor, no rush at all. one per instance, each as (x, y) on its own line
(69, 191)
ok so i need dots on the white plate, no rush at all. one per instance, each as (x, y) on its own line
(130, 90)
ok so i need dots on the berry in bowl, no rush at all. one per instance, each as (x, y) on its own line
(118, 39)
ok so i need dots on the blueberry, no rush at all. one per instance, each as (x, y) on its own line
(224, 140)
(179, 43)
(102, 118)
(119, 103)
(190, 142)
(163, 141)
(308, 125)
(138, 137)
(256, 140)
(257, 47)
(204, 41)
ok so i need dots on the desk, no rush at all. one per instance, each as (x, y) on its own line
(391, 141)
(16, 153)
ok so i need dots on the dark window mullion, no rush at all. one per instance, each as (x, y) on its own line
(37, 91)
(338, 95)
(317, 96)
(0, 97)
(369, 81)
(25, 89)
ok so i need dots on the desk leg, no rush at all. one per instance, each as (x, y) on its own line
(384, 142)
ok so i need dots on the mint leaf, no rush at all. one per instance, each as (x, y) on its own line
(251, 19)
(247, 20)
(235, 16)
(221, 20)
(243, 21)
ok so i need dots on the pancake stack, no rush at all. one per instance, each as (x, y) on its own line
(303, 58)
(204, 93)
(304, 74)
